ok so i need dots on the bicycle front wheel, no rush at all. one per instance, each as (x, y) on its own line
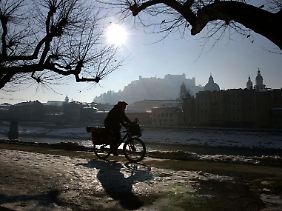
(134, 149)
(102, 151)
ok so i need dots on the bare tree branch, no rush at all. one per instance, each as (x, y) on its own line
(202, 12)
(61, 37)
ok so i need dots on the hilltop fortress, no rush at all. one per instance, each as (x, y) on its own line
(153, 88)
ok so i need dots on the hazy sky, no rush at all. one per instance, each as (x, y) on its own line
(230, 62)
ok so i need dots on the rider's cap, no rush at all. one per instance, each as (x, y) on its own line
(122, 103)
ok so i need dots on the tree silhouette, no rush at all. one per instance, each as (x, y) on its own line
(49, 39)
(263, 18)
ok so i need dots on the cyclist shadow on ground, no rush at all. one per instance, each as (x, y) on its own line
(117, 185)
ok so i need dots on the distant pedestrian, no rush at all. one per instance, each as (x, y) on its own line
(13, 133)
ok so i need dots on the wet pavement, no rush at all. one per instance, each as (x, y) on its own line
(36, 181)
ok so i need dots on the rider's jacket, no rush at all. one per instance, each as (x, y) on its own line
(115, 118)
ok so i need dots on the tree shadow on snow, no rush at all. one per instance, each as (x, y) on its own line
(117, 185)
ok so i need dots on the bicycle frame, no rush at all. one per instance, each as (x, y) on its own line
(133, 148)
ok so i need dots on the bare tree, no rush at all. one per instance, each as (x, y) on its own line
(42, 40)
(263, 18)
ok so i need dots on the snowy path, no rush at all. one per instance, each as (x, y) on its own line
(34, 181)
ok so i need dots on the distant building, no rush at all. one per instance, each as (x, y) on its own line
(72, 111)
(144, 118)
(224, 108)
(187, 105)
(27, 111)
(259, 82)
(254, 106)
(157, 113)
(67, 100)
(183, 94)
(211, 85)
(259, 86)
(235, 108)
(249, 84)
(4, 111)
(87, 113)
(167, 117)
(55, 103)
(148, 105)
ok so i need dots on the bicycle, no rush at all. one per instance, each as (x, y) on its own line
(134, 148)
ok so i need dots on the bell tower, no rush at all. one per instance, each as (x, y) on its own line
(259, 82)
(249, 84)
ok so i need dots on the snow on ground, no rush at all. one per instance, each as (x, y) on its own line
(29, 178)
(206, 137)
(35, 181)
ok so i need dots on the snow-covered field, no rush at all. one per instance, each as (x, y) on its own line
(206, 137)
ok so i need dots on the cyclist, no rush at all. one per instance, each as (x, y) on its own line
(113, 122)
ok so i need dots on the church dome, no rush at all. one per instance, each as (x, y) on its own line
(211, 85)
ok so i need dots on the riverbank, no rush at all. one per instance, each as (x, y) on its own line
(36, 177)
(166, 160)
(202, 137)
(255, 156)
(235, 155)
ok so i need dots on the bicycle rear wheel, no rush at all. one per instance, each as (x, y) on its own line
(102, 151)
(134, 149)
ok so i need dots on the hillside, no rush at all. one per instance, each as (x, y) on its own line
(153, 88)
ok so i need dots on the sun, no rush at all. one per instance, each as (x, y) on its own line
(116, 35)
